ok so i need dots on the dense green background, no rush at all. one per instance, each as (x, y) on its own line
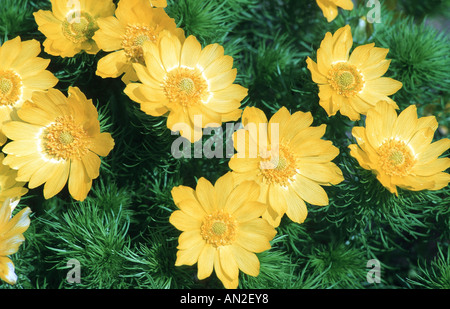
(121, 235)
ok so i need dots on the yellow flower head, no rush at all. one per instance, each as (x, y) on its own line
(222, 228)
(330, 7)
(135, 22)
(194, 86)
(399, 149)
(21, 73)
(288, 159)
(11, 230)
(351, 84)
(71, 24)
(158, 3)
(57, 140)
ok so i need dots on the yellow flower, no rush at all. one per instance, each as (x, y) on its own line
(11, 230)
(398, 150)
(58, 140)
(136, 22)
(221, 228)
(288, 159)
(187, 83)
(351, 84)
(70, 25)
(21, 73)
(9, 187)
(158, 3)
(330, 7)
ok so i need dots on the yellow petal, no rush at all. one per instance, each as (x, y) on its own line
(406, 123)
(434, 150)
(21, 147)
(342, 43)
(206, 262)
(296, 122)
(310, 191)
(102, 144)
(316, 76)
(112, 65)
(360, 54)
(181, 193)
(325, 173)
(184, 222)
(255, 235)
(79, 181)
(229, 283)
(109, 36)
(246, 261)
(92, 164)
(17, 130)
(296, 210)
(189, 239)
(329, 9)
(242, 193)
(170, 50)
(223, 187)
(218, 66)
(384, 85)
(190, 52)
(45, 172)
(209, 54)
(379, 124)
(206, 195)
(58, 180)
(7, 271)
(34, 115)
(277, 200)
(189, 256)
(250, 211)
(222, 80)
(9, 51)
(228, 262)
(432, 168)
(192, 208)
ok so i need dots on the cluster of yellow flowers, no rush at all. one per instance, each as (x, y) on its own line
(52, 139)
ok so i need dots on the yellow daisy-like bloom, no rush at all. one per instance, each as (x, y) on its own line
(399, 151)
(158, 3)
(57, 140)
(21, 73)
(222, 228)
(135, 22)
(70, 26)
(288, 159)
(11, 237)
(351, 84)
(330, 7)
(187, 82)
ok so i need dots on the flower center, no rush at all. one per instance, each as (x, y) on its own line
(134, 38)
(219, 229)
(346, 79)
(79, 26)
(278, 166)
(10, 88)
(186, 86)
(396, 158)
(64, 139)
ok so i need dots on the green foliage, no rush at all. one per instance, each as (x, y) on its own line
(434, 274)
(419, 56)
(121, 234)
